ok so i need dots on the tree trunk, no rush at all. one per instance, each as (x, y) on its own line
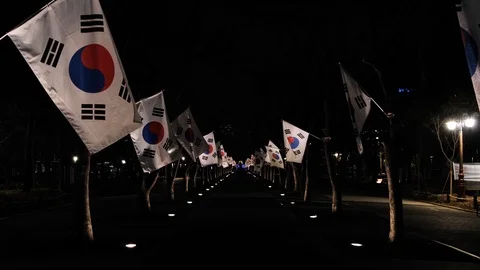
(87, 229)
(187, 176)
(145, 191)
(172, 182)
(195, 176)
(394, 198)
(336, 194)
(295, 177)
(306, 193)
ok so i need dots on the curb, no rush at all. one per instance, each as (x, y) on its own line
(451, 207)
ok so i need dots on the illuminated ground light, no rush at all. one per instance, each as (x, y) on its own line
(171, 215)
(292, 202)
(189, 202)
(207, 189)
(200, 194)
(130, 245)
(212, 186)
(356, 244)
(313, 216)
(282, 194)
(269, 186)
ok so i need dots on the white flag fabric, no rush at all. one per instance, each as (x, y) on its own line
(359, 102)
(295, 141)
(154, 143)
(188, 134)
(209, 157)
(69, 48)
(274, 157)
(271, 144)
(468, 13)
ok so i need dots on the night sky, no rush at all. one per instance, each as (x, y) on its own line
(251, 66)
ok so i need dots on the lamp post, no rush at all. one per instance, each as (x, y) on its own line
(453, 125)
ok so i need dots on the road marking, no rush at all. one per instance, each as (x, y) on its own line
(457, 249)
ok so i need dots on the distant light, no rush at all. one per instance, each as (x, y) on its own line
(470, 122)
(171, 215)
(376, 138)
(189, 202)
(200, 194)
(75, 159)
(207, 189)
(124, 161)
(379, 180)
(282, 194)
(269, 186)
(356, 244)
(292, 202)
(451, 125)
(130, 245)
(183, 158)
(313, 216)
(212, 186)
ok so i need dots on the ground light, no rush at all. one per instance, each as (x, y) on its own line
(269, 186)
(130, 245)
(282, 194)
(200, 194)
(189, 202)
(207, 189)
(356, 244)
(292, 202)
(313, 216)
(171, 215)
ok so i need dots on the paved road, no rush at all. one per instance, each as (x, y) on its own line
(239, 222)
(454, 227)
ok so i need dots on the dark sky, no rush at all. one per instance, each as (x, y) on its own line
(252, 65)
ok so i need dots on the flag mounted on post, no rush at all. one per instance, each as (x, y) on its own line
(274, 157)
(468, 13)
(210, 156)
(188, 134)
(154, 142)
(357, 101)
(295, 141)
(69, 48)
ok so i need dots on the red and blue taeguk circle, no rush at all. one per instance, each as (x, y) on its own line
(153, 132)
(293, 141)
(92, 69)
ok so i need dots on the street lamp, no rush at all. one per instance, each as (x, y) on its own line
(75, 159)
(453, 125)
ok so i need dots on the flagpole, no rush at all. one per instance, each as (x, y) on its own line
(38, 11)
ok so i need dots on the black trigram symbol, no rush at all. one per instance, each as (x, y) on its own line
(301, 136)
(287, 131)
(52, 52)
(167, 144)
(297, 152)
(158, 112)
(179, 131)
(91, 23)
(360, 102)
(345, 88)
(210, 140)
(189, 121)
(198, 141)
(280, 162)
(123, 93)
(93, 111)
(141, 119)
(205, 157)
(270, 150)
(286, 150)
(148, 153)
(214, 155)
